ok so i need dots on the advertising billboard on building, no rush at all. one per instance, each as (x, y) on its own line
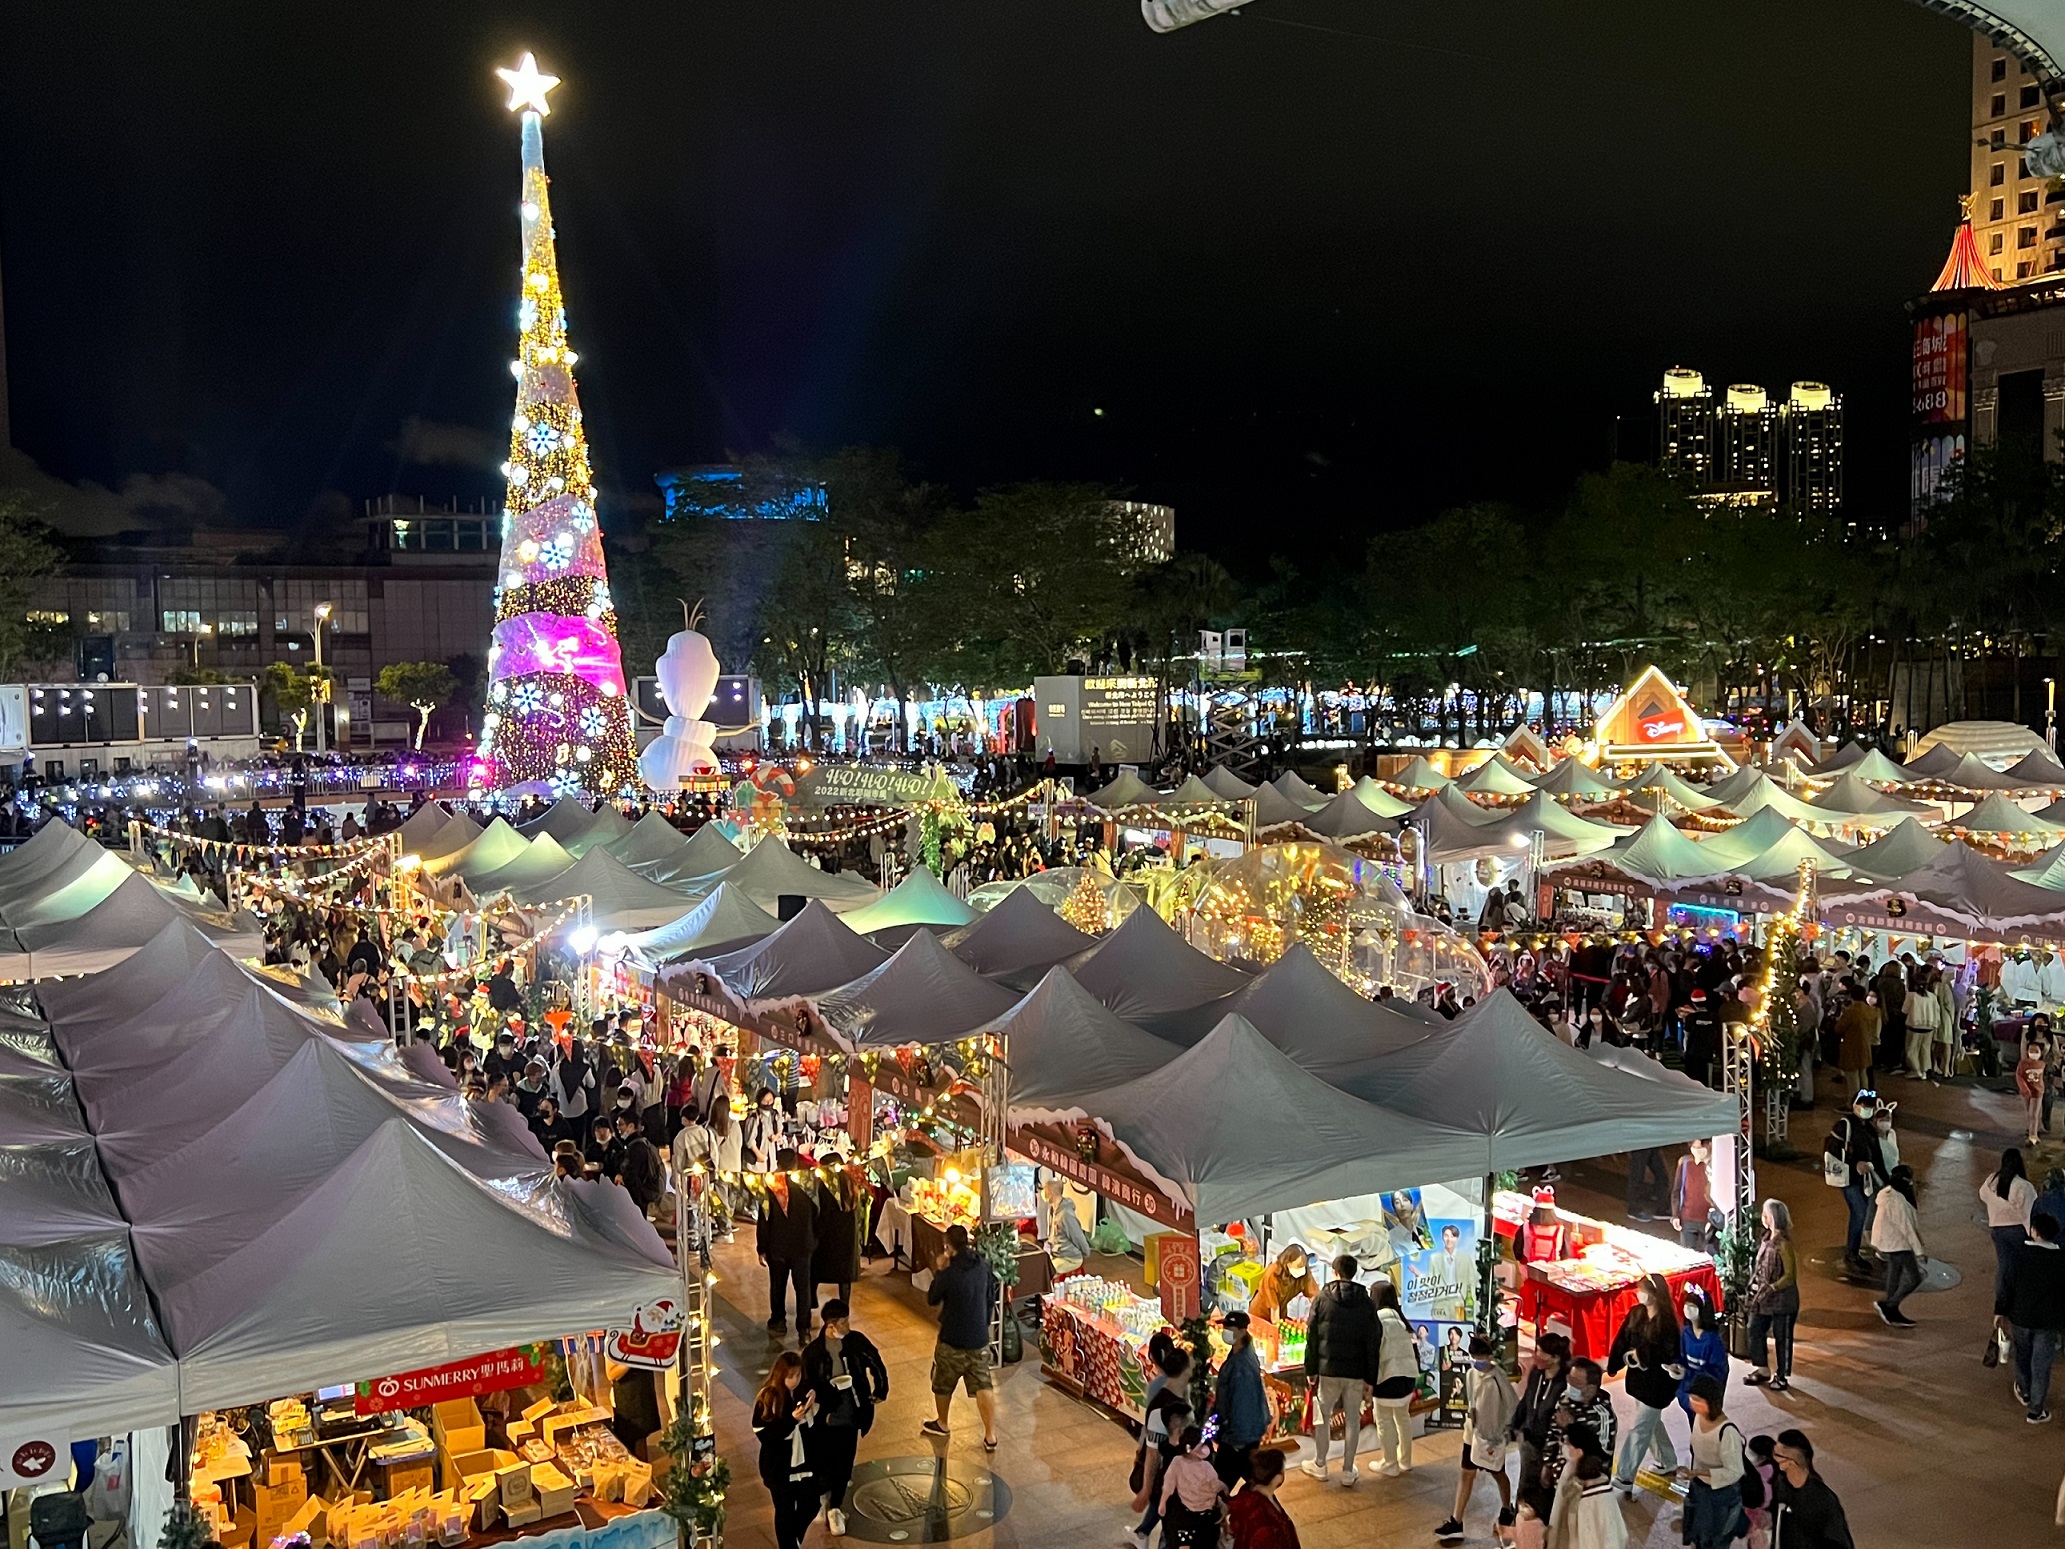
(1940, 368)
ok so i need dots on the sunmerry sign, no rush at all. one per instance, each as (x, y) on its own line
(491, 1373)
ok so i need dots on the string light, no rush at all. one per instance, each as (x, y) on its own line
(354, 847)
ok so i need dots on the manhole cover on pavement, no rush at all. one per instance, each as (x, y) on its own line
(923, 1500)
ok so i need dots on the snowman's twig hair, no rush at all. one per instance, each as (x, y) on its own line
(690, 617)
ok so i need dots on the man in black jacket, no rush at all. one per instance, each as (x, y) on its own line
(640, 1169)
(1805, 1513)
(2031, 1308)
(786, 1237)
(846, 1373)
(1341, 1342)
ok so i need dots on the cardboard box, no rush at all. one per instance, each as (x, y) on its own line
(513, 1484)
(238, 1534)
(523, 1513)
(415, 1474)
(520, 1431)
(281, 1469)
(456, 1469)
(555, 1491)
(536, 1412)
(556, 1426)
(304, 1520)
(457, 1425)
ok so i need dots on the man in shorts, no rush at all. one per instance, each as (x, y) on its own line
(965, 1292)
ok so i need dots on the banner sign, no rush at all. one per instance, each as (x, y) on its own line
(491, 1373)
(1093, 1161)
(1178, 1285)
(864, 785)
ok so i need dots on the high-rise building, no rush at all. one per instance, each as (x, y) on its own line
(1146, 533)
(1685, 427)
(1810, 434)
(1746, 447)
(2019, 221)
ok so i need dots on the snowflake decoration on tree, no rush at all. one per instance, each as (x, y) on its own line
(542, 439)
(559, 552)
(527, 699)
(567, 783)
(583, 517)
(527, 314)
(593, 722)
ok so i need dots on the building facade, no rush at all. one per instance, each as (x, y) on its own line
(2018, 220)
(1810, 436)
(1746, 447)
(1685, 427)
(1747, 450)
(422, 588)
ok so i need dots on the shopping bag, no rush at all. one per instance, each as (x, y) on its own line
(1996, 1347)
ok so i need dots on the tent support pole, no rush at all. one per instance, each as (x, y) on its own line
(1488, 1262)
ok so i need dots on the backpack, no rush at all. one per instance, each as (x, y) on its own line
(1752, 1484)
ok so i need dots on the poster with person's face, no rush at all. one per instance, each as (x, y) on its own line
(1405, 1222)
(1441, 1279)
(1454, 1362)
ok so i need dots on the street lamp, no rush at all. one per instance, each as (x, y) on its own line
(322, 688)
(200, 630)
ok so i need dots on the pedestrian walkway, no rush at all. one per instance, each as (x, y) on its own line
(1908, 1428)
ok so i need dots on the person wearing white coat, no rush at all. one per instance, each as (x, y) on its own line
(1898, 1238)
(1599, 1523)
(1398, 1374)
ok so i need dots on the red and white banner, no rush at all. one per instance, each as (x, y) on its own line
(491, 1373)
(26, 1460)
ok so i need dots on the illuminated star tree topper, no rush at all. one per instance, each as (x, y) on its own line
(557, 715)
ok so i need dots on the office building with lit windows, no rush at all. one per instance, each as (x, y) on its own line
(2018, 221)
(1810, 438)
(1745, 447)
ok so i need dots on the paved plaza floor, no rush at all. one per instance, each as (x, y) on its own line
(1924, 1445)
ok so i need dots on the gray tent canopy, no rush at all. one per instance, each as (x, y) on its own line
(1531, 1098)
(1018, 934)
(1064, 1045)
(923, 994)
(807, 956)
(1298, 1141)
(1144, 967)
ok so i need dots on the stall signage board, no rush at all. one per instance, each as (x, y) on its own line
(36, 1459)
(1053, 1148)
(1179, 1279)
(860, 1114)
(517, 1367)
(653, 1339)
(861, 785)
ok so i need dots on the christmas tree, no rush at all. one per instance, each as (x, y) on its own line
(556, 713)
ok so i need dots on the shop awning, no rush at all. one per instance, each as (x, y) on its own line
(1290, 786)
(772, 871)
(2039, 769)
(723, 922)
(1273, 809)
(923, 994)
(1234, 1127)
(85, 1356)
(807, 956)
(919, 899)
(1018, 934)
(1144, 968)
(422, 827)
(606, 827)
(1655, 778)
(1530, 1098)
(1905, 847)
(1495, 777)
(1349, 816)
(1959, 887)
(1419, 775)
(1849, 793)
(1577, 780)
(1999, 816)
(112, 930)
(618, 898)
(542, 859)
(565, 818)
(496, 845)
(168, 957)
(1227, 785)
(1127, 790)
(1065, 1044)
(1307, 1012)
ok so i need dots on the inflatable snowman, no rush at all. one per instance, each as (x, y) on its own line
(688, 677)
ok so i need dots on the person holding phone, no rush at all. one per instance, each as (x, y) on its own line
(783, 1413)
(844, 1371)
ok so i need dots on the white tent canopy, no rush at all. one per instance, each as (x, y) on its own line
(543, 858)
(772, 870)
(1290, 785)
(1228, 785)
(1273, 809)
(919, 899)
(619, 898)
(107, 934)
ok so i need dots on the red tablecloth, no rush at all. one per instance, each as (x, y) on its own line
(1594, 1317)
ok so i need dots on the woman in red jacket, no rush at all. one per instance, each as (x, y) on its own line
(1253, 1515)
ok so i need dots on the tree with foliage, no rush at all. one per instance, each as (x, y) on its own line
(28, 554)
(295, 692)
(423, 686)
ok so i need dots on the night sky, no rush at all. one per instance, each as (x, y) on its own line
(1327, 266)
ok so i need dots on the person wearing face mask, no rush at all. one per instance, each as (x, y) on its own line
(1857, 1035)
(1583, 1406)
(1702, 1350)
(1805, 1513)
(1489, 1402)
(763, 1137)
(1856, 1145)
(1648, 1349)
(1535, 1416)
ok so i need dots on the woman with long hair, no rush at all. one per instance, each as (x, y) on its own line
(2008, 1196)
(1647, 1347)
(1398, 1374)
(1714, 1517)
(782, 1411)
(1774, 1298)
(1702, 1350)
(1898, 1239)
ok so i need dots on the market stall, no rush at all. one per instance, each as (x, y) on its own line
(1590, 1284)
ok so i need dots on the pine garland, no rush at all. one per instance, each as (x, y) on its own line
(694, 1492)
